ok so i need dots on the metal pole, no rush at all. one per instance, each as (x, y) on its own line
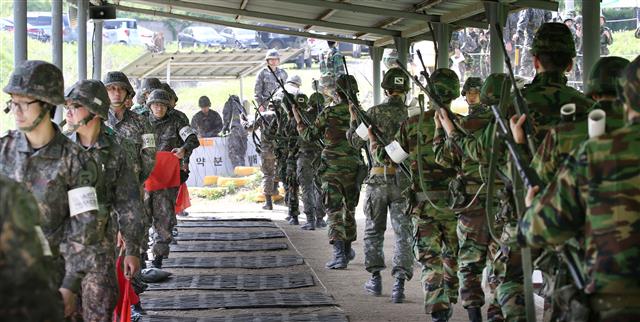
(376, 57)
(82, 39)
(20, 31)
(590, 36)
(443, 37)
(241, 89)
(97, 49)
(169, 71)
(496, 13)
(402, 46)
(56, 32)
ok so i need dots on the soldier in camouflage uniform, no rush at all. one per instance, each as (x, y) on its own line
(333, 64)
(206, 122)
(232, 114)
(61, 176)
(529, 21)
(469, 197)
(148, 85)
(578, 204)
(29, 292)
(385, 184)
(508, 31)
(175, 135)
(606, 37)
(339, 165)
(308, 162)
(266, 84)
(121, 209)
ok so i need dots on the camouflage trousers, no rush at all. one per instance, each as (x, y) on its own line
(162, 205)
(340, 198)
(476, 251)
(310, 185)
(237, 146)
(435, 247)
(99, 293)
(380, 199)
(510, 290)
(268, 168)
(146, 222)
(292, 186)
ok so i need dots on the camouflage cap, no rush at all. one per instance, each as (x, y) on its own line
(301, 100)
(120, 79)
(149, 84)
(92, 94)
(38, 79)
(272, 54)
(446, 84)
(347, 83)
(492, 88)
(204, 101)
(327, 81)
(604, 75)
(294, 79)
(159, 96)
(553, 37)
(395, 80)
(169, 90)
(630, 83)
(472, 83)
(316, 100)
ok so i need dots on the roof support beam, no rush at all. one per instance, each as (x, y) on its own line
(244, 26)
(365, 9)
(208, 9)
(243, 5)
(536, 4)
(424, 5)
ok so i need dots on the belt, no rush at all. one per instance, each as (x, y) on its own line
(433, 195)
(605, 302)
(382, 170)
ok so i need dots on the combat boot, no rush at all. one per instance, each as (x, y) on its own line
(157, 262)
(374, 285)
(397, 294)
(339, 260)
(268, 203)
(320, 223)
(441, 316)
(293, 220)
(349, 252)
(311, 223)
(475, 314)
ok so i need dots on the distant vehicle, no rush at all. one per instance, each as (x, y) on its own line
(278, 41)
(318, 46)
(200, 36)
(6, 24)
(145, 35)
(122, 30)
(42, 20)
(241, 38)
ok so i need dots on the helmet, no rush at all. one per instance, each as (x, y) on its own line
(272, 54)
(302, 100)
(316, 100)
(120, 79)
(92, 94)
(553, 37)
(395, 80)
(169, 90)
(204, 101)
(149, 84)
(446, 84)
(492, 88)
(603, 77)
(630, 83)
(327, 81)
(347, 83)
(471, 83)
(38, 79)
(579, 20)
(159, 96)
(295, 79)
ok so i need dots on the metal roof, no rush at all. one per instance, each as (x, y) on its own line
(367, 22)
(207, 65)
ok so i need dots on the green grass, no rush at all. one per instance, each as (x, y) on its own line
(625, 44)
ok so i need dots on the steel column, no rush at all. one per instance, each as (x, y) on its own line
(590, 36)
(20, 32)
(82, 39)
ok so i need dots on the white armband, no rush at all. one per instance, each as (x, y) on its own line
(46, 250)
(363, 131)
(186, 131)
(148, 141)
(82, 200)
(396, 152)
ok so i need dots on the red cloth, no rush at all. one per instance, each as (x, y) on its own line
(165, 174)
(183, 201)
(127, 297)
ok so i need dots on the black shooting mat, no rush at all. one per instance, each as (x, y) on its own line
(188, 219)
(228, 236)
(257, 317)
(242, 282)
(259, 261)
(228, 247)
(234, 300)
(226, 224)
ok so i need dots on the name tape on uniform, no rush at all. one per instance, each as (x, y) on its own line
(396, 152)
(82, 200)
(363, 131)
(186, 131)
(148, 140)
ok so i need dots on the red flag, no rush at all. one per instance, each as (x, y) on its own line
(127, 297)
(165, 174)
(183, 201)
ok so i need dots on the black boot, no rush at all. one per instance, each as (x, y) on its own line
(397, 294)
(268, 203)
(143, 260)
(349, 252)
(157, 262)
(311, 223)
(441, 316)
(374, 285)
(136, 312)
(293, 219)
(320, 223)
(339, 260)
(475, 314)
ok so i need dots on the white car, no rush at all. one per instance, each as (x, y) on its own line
(123, 31)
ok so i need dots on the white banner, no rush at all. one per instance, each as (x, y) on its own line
(211, 158)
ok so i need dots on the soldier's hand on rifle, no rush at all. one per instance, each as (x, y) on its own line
(516, 123)
(443, 120)
(531, 194)
(352, 112)
(373, 142)
(296, 115)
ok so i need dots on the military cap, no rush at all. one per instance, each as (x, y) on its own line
(169, 90)
(347, 83)
(553, 37)
(316, 100)
(471, 83)
(149, 84)
(492, 88)
(159, 96)
(204, 101)
(395, 80)
(272, 54)
(446, 84)
(630, 83)
(605, 74)
(38, 79)
(120, 79)
(294, 79)
(92, 94)
(301, 100)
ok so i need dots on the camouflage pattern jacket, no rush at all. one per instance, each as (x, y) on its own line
(529, 21)
(333, 63)
(266, 84)
(311, 149)
(137, 129)
(267, 124)
(207, 125)
(49, 173)
(173, 132)
(595, 198)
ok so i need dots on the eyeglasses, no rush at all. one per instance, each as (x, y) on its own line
(12, 106)
(72, 107)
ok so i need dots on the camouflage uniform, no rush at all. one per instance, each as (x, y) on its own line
(606, 38)
(529, 21)
(171, 132)
(333, 63)
(266, 122)
(508, 31)
(290, 140)
(148, 85)
(266, 84)
(29, 291)
(238, 135)
(385, 184)
(207, 125)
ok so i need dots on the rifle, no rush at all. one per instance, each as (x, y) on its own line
(519, 102)
(364, 119)
(289, 102)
